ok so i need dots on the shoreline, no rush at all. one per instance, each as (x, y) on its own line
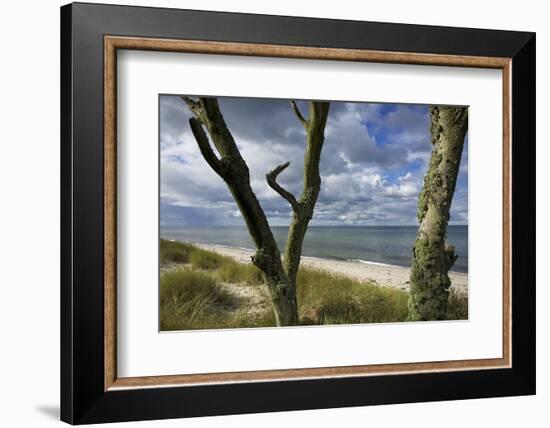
(384, 275)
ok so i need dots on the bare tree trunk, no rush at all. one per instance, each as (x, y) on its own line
(432, 258)
(280, 276)
(232, 168)
(303, 209)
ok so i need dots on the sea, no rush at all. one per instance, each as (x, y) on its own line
(386, 245)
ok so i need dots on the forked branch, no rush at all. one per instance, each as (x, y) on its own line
(195, 107)
(204, 146)
(315, 136)
(272, 181)
(232, 168)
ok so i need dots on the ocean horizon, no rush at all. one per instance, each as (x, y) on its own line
(390, 245)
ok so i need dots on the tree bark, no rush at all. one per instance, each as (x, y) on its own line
(303, 209)
(280, 275)
(432, 258)
(232, 168)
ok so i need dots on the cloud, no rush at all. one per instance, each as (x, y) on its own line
(372, 165)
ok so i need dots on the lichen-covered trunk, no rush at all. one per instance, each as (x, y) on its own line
(432, 258)
(283, 300)
(232, 168)
(303, 210)
(267, 257)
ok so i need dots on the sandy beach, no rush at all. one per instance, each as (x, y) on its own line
(381, 274)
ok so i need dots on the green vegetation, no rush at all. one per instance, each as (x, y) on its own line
(432, 256)
(457, 307)
(235, 272)
(325, 298)
(200, 289)
(174, 252)
(187, 297)
(201, 259)
(194, 300)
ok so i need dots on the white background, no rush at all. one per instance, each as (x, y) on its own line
(29, 218)
(142, 351)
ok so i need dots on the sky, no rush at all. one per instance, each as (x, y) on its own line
(372, 165)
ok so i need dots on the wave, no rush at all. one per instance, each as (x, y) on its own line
(231, 247)
(324, 258)
(368, 262)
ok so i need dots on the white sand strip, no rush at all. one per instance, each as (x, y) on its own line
(383, 275)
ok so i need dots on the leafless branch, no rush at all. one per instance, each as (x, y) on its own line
(298, 114)
(271, 178)
(195, 106)
(204, 145)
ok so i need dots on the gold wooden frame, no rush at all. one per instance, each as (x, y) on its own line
(113, 43)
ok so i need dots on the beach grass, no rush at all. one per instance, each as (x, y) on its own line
(325, 298)
(199, 291)
(236, 272)
(188, 299)
(191, 300)
(457, 308)
(174, 252)
(208, 260)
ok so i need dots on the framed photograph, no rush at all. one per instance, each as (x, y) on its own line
(267, 213)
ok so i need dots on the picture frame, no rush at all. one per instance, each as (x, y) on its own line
(91, 35)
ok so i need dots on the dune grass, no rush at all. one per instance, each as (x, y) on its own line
(235, 272)
(193, 300)
(192, 295)
(174, 252)
(208, 260)
(457, 308)
(325, 298)
(188, 298)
